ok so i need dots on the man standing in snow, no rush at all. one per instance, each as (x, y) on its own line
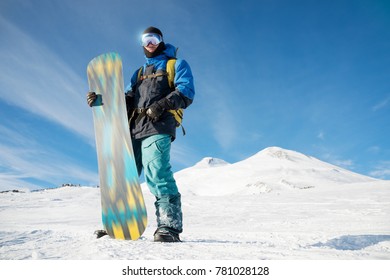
(149, 99)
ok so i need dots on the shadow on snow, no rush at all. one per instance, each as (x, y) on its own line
(353, 242)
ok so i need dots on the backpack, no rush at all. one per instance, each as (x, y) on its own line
(170, 72)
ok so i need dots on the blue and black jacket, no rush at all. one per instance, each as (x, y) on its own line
(142, 93)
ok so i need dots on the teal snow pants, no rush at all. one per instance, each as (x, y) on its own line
(152, 155)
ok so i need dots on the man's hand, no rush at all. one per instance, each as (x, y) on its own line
(91, 97)
(155, 111)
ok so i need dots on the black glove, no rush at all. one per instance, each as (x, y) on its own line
(91, 97)
(157, 109)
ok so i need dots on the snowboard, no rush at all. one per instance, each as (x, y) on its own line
(123, 208)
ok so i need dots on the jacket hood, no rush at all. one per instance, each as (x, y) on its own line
(169, 52)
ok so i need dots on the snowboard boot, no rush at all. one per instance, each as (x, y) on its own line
(100, 233)
(164, 235)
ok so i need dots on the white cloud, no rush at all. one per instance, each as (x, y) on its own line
(22, 159)
(336, 160)
(321, 135)
(219, 114)
(374, 149)
(182, 154)
(382, 104)
(381, 171)
(347, 163)
(36, 79)
(223, 125)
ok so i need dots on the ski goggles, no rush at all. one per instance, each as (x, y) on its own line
(151, 38)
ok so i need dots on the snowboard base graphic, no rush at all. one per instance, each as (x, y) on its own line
(123, 208)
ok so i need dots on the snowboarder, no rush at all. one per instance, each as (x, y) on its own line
(149, 101)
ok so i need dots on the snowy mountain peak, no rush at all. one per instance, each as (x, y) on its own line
(280, 153)
(211, 162)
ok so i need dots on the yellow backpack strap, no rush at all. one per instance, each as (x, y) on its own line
(171, 72)
(178, 114)
(139, 74)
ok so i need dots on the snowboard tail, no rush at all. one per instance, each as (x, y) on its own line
(123, 208)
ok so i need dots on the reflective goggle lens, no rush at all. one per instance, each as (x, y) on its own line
(151, 38)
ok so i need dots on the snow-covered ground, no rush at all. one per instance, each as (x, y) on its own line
(276, 205)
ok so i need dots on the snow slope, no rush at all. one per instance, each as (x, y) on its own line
(277, 204)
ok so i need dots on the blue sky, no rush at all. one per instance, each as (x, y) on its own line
(311, 76)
